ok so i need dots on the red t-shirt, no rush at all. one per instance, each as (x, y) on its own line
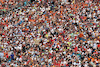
(75, 49)
(99, 45)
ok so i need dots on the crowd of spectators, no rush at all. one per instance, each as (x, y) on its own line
(50, 33)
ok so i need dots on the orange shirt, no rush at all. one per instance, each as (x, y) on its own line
(81, 35)
(2, 1)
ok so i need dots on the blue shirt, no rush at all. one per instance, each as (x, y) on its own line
(12, 56)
